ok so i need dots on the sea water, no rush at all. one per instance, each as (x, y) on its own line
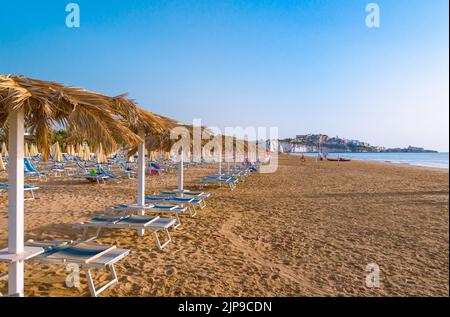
(439, 160)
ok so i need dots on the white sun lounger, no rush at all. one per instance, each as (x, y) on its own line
(186, 193)
(87, 255)
(191, 202)
(26, 188)
(169, 210)
(152, 223)
(231, 181)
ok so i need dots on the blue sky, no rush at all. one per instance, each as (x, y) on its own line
(304, 66)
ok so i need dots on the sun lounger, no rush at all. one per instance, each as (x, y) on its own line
(110, 174)
(26, 188)
(170, 210)
(87, 255)
(99, 178)
(231, 181)
(188, 194)
(153, 223)
(31, 171)
(128, 170)
(192, 203)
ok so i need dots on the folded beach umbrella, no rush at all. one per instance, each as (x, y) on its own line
(4, 150)
(80, 153)
(2, 165)
(86, 152)
(26, 150)
(57, 156)
(152, 156)
(101, 158)
(33, 150)
(42, 107)
(72, 150)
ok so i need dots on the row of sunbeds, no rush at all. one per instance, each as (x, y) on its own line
(160, 215)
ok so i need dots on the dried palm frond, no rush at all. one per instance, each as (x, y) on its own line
(86, 115)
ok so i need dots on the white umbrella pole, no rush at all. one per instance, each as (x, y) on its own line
(15, 202)
(181, 174)
(141, 178)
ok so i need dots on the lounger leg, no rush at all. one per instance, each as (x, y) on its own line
(85, 235)
(95, 292)
(192, 211)
(178, 223)
(158, 242)
(91, 283)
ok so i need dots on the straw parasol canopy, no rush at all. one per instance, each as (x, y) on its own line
(4, 150)
(86, 115)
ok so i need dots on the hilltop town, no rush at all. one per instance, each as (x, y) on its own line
(309, 143)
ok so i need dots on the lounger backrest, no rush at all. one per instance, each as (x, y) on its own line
(28, 166)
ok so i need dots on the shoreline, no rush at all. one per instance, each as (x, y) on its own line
(447, 168)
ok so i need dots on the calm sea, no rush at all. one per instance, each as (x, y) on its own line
(439, 160)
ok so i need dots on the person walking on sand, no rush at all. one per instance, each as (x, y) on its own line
(302, 158)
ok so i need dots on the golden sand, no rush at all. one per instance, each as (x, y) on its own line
(310, 229)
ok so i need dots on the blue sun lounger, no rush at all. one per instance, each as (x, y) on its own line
(31, 171)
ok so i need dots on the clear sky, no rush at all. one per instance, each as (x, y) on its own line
(304, 66)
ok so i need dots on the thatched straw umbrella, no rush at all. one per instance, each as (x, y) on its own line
(162, 140)
(42, 105)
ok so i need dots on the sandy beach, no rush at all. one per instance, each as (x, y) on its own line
(310, 229)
